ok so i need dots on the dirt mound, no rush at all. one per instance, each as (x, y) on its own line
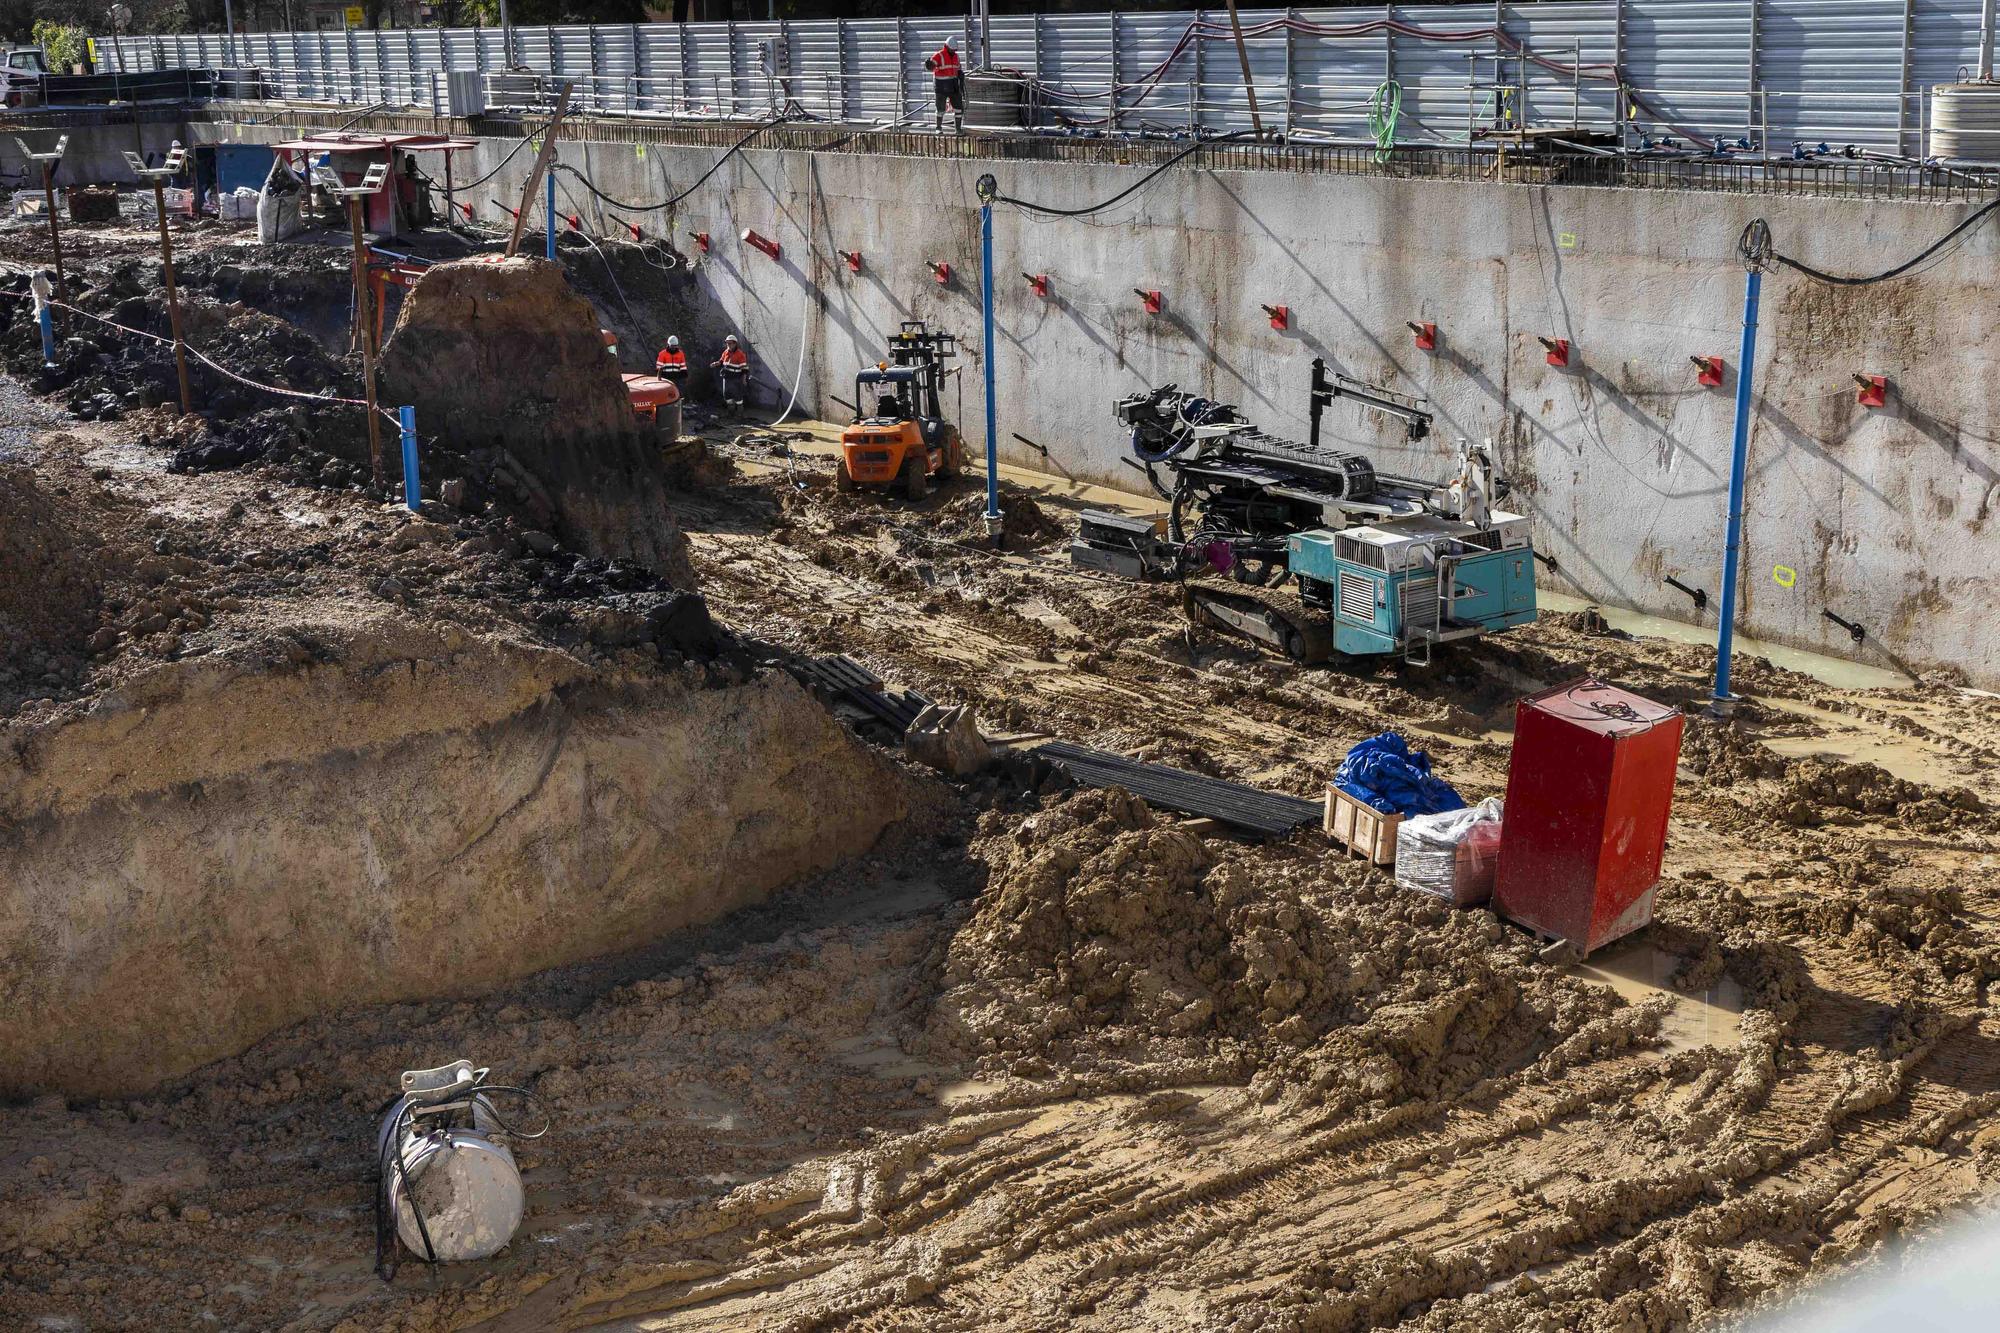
(505, 363)
(1108, 934)
(49, 580)
(1024, 524)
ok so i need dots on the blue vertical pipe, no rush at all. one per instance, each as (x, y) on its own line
(48, 332)
(986, 315)
(1739, 461)
(550, 174)
(411, 486)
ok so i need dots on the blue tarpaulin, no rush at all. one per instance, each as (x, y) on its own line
(1384, 773)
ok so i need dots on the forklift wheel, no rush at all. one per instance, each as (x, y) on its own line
(948, 468)
(843, 480)
(916, 482)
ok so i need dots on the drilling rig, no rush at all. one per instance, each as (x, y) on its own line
(1382, 564)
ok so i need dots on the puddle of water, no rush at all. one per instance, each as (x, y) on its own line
(1835, 671)
(1849, 741)
(1638, 972)
(127, 458)
(961, 1090)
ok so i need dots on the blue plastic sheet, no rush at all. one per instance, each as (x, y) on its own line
(1384, 773)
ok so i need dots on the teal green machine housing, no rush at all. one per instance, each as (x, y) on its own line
(1403, 585)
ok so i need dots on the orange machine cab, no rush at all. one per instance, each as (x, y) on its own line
(900, 437)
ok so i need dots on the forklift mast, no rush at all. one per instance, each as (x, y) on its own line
(916, 346)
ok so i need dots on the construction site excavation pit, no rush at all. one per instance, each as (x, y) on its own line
(577, 773)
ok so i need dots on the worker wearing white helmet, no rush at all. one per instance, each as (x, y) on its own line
(673, 362)
(734, 368)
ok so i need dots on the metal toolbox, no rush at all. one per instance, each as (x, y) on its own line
(1588, 792)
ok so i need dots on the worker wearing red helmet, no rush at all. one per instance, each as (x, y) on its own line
(734, 368)
(949, 81)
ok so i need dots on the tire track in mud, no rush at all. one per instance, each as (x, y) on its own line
(1601, 1185)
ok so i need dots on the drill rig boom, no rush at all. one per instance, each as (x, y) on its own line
(1399, 564)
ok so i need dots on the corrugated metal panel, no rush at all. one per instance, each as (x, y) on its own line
(815, 68)
(1824, 69)
(460, 48)
(1014, 44)
(871, 64)
(708, 68)
(1336, 69)
(1583, 40)
(427, 49)
(532, 47)
(1435, 65)
(570, 51)
(1831, 70)
(659, 57)
(1690, 61)
(1947, 41)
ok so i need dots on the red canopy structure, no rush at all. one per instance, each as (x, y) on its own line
(401, 207)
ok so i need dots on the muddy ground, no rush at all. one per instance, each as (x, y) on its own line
(1049, 1059)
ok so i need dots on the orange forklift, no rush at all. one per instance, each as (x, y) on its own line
(899, 436)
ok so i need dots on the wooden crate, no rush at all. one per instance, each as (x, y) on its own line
(1365, 831)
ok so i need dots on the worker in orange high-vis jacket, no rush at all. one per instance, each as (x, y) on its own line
(734, 368)
(949, 80)
(672, 363)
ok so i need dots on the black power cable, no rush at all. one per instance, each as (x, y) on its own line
(1136, 186)
(1755, 247)
(526, 139)
(624, 207)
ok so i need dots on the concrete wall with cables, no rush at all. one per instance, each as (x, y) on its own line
(1884, 516)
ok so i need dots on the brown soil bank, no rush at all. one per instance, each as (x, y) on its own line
(504, 361)
(48, 599)
(219, 848)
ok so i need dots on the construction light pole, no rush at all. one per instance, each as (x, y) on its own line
(988, 189)
(1755, 247)
(371, 183)
(173, 165)
(48, 162)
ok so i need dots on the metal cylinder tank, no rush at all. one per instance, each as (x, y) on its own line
(449, 1187)
(996, 102)
(1965, 122)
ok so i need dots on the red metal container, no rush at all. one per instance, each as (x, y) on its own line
(1588, 792)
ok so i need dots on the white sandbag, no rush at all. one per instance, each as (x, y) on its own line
(277, 215)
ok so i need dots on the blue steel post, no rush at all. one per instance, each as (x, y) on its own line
(551, 208)
(39, 287)
(412, 496)
(1739, 460)
(986, 314)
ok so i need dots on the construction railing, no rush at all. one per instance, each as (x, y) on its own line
(1846, 72)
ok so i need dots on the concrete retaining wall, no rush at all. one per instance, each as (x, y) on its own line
(1621, 458)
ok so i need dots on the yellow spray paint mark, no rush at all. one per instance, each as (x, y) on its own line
(1566, 240)
(1784, 575)
(640, 149)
